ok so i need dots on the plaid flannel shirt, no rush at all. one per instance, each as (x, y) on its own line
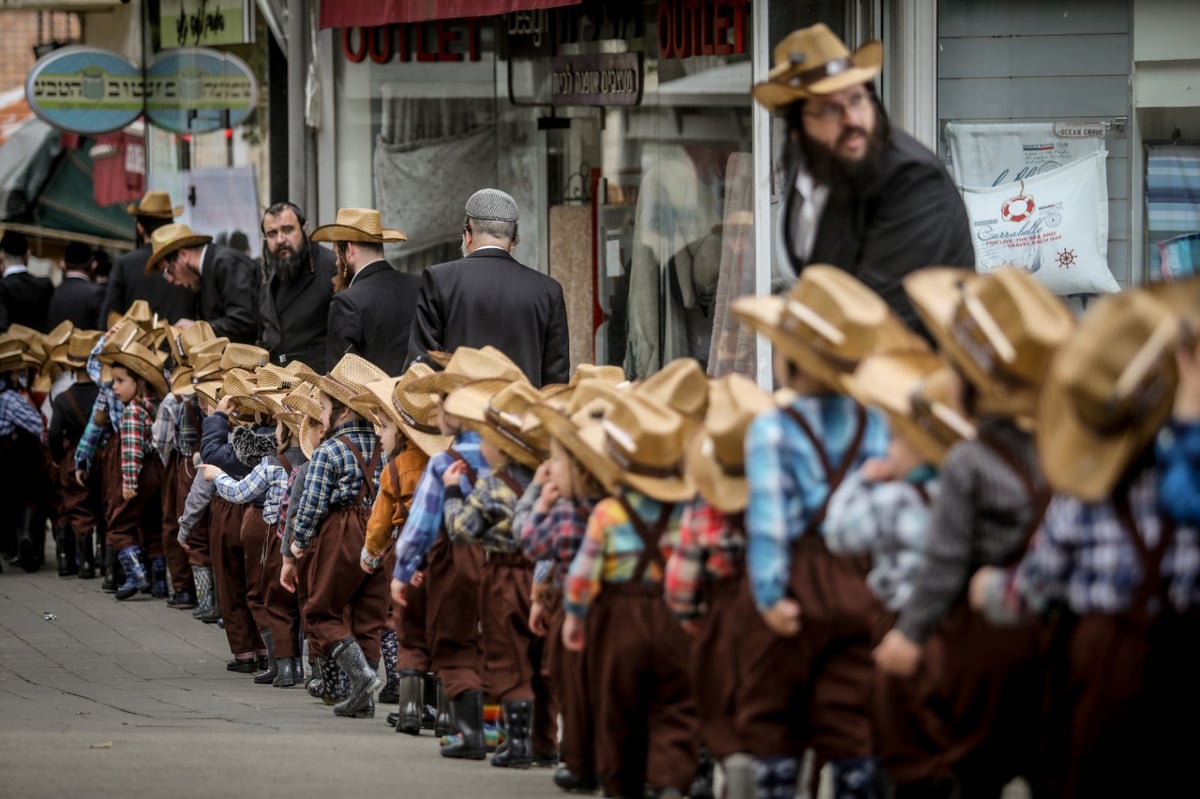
(17, 411)
(163, 431)
(611, 549)
(137, 440)
(1179, 453)
(95, 435)
(788, 484)
(334, 477)
(712, 546)
(557, 536)
(485, 518)
(425, 514)
(268, 479)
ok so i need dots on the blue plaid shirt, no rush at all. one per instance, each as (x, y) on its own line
(787, 481)
(268, 479)
(425, 514)
(96, 435)
(17, 411)
(1179, 452)
(334, 477)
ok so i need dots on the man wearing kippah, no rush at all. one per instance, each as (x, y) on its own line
(489, 297)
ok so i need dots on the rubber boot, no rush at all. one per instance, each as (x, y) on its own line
(571, 782)
(858, 778)
(411, 688)
(285, 674)
(316, 685)
(430, 712)
(64, 551)
(518, 722)
(267, 676)
(87, 557)
(334, 687)
(702, 783)
(446, 723)
(468, 713)
(364, 680)
(388, 694)
(135, 574)
(29, 554)
(206, 598)
(142, 559)
(159, 588)
(775, 778)
(110, 570)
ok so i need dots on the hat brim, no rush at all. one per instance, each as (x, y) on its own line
(470, 401)
(307, 424)
(147, 371)
(727, 493)
(520, 454)
(935, 294)
(439, 383)
(133, 210)
(765, 315)
(194, 240)
(335, 232)
(865, 65)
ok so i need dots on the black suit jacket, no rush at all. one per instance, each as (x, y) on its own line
(293, 316)
(25, 300)
(489, 297)
(78, 300)
(229, 293)
(373, 317)
(128, 281)
(910, 217)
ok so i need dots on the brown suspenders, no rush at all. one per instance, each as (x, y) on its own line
(471, 475)
(367, 489)
(833, 476)
(650, 537)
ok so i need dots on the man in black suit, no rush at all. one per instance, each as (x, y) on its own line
(24, 298)
(488, 297)
(226, 280)
(128, 280)
(372, 311)
(297, 287)
(77, 298)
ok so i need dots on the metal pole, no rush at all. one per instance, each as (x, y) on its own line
(297, 150)
(761, 120)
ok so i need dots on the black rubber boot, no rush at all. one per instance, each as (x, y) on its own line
(518, 721)
(364, 680)
(87, 557)
(31, 546)
(571, 782)
(285, 675)
(468, 713)
(333, 682)
(445, 723)
(267, 676)
(390, 645)
(411, 688)
(110, 570)
(64, 551)
(430, 713)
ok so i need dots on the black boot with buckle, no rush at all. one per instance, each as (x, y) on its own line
(518, 722)
(468, 715)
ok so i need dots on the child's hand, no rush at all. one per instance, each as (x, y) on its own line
(783, 617)
(977, 591)
(287, 575)
(210, 472)
(225, 406)
(541, 476)
(546, 499)
(573, 634)
(877, 470)
(81, 477)
(537, 619)
(897, 655)
(418, 578)
(128, 493)
(1187, 396)
(366, 567)
(453, 473)
(398, 591)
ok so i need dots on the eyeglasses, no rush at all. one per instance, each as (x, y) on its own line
(829, 110)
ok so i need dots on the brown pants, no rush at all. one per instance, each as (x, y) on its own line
(138, 521)
(253, 537)
(108, 468)
(410, 623)
(282, 606)
(199, 550)
(172, 505)
(229, 573)
(568, 678)
(343, 600)
(453, 595)
(716, 667)
(510, 656)
(79, 506)
(638, 672)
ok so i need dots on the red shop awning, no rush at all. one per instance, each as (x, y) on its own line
(369, 13)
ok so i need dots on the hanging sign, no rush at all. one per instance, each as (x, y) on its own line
(197, 23)
(601, 79)
(85, 90)
(195, 90)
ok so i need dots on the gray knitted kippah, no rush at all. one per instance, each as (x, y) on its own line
(492, 204)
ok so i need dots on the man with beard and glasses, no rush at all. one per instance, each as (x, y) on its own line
(857, 193)
(297, 286)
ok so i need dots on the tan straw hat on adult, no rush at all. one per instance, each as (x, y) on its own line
(139, 359)
(357, 224)
(348, 378)
(577, 426)
(468, 365)
(715, 460)
(681, 386)
(1001, 329)
(813, 61)
(155, 204)
(916, 391)
(645, 441)
(1110, 389)
(169, 239)
(826, 323)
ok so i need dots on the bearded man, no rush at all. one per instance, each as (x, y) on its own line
(297, 286)
(857, 193)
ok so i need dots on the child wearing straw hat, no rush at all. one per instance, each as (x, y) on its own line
(23, 499)
(999, 332)
(346, 609)
(81, 504)
(511, 652)
(810, 641)
(135, 522)
(1122, 671)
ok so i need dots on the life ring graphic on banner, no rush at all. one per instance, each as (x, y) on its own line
(1018, 209)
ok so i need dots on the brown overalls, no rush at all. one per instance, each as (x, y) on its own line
(637, 662)
(567, 674)
(229, 575)
(177, 481)
(281, 605)
(79, 506)
(136, 521)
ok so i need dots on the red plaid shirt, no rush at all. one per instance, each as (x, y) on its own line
(712, 546)
(137, 440)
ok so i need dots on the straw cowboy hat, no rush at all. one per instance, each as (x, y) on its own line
(75, 353)
(813, 61)
(645, 442)
(916, 391)
(680, 386)
(500, 420)
(347, 379)
(240, 387)
(139, 359)
(169, 239)
(139, 312)
(272, 379)
(304, 414)
(417, 411)
(1110, 389)
(206, 367)
(357, 224)
(182, 342)
(826, 323)
(155, 204)
(577, 426)
(1001, 329)
(561, 392)
(14, 357)
(469, 365)
(715, 460)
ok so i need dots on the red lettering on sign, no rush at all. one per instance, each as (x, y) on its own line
(689, 28)
(444, 37)
(354, 55)
(385, 43)
(381, 44)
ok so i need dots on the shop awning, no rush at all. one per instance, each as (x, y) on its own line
(369, 13)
